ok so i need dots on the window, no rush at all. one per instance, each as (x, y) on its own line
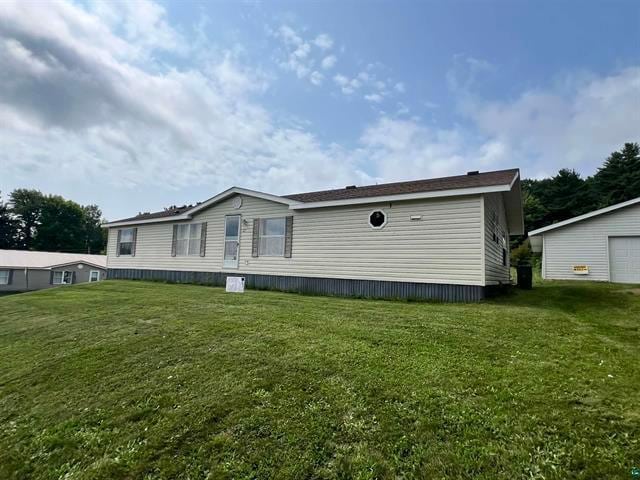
(125, 247)
(188, 239)
(377, 219)
(94, 276)
(272, 233)
(4, 277)
(62, 277)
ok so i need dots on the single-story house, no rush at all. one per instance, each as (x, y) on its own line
(23, 270)
(603, 245)
(444, 238)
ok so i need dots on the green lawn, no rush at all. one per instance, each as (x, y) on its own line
(147, 380)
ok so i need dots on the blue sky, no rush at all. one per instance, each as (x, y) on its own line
(139, 105)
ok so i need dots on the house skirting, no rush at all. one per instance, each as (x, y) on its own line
(312, 285)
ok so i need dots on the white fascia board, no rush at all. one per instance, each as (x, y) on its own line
(150, 220)
(240, 191)
(401, 197)
(515, 177)
(579, 218)
(188, 214)
(74, 263)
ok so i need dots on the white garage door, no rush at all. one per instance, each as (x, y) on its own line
(624, 259)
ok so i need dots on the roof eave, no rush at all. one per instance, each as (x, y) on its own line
(585, 216)
(83, 262)
(401, 197)
(188, 214)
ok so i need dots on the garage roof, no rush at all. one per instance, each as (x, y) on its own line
(579, 218)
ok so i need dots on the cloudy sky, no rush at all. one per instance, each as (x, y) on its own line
(139, 105)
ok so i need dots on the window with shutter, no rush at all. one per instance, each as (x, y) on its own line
(272, 235)
(188, 239)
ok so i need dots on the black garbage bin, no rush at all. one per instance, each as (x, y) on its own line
(525, 276)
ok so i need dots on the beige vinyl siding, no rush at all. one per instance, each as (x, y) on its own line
(443, 247)
(495, 271)
(587, 243)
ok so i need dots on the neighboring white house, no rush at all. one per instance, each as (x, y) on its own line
(603, 245)
(24, 270)
(444, 238)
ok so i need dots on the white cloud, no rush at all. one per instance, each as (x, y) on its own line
(405, 149)
(300, 57)
(143, 23)
(329, 61)
(465, 72)
(316, 78)
(82, 105)
(348, 86)
(86, 107)
(323, 41)
(553, 128)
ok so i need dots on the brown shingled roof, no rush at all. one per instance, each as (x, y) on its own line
(488, 179)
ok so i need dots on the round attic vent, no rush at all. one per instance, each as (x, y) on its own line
(377, 219)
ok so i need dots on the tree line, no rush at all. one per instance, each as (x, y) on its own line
(568, 195)
(31, 220)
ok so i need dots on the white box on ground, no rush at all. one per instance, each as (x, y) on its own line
(235, 284)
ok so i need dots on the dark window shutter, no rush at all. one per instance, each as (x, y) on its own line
(203, 239)
(288, 237)
(118, 243)
(10, 277)
(256, 237)
(135, 239)
(73, 277)
(174, 240)
(51, 276)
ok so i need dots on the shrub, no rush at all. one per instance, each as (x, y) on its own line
(521, 254)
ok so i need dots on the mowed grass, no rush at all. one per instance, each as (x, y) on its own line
(145, 380)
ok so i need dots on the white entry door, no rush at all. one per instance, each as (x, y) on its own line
(231, 241)
(624, 259)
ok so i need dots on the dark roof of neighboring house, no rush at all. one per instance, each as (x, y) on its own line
(488, 179)
(167, 212)
(470, 180)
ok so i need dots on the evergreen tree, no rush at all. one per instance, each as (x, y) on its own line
(618, 180)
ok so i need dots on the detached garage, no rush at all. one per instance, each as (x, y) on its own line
(603, 245)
